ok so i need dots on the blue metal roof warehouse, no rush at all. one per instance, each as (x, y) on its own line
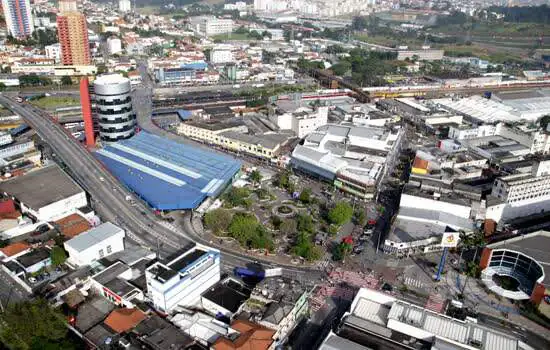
(166, 174)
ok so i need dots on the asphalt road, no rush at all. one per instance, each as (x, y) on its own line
(109, 196)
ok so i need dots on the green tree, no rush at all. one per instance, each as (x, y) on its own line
(260, 239)
(2, 86)
(242, 227)
(361, 217)
(305, 248)
(341, 251)
(25, 323)
(341, 213)
(305, 223)
(341, 68)
(241, 30)
(282, 180)
(236, 196)
(66, 80)
(218, 220)
(101, 68)
(359, 23)
(58, 256)
(246, 229)
(255, 176)
(305, 195)
(288, 226)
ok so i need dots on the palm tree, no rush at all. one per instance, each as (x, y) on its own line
(255, 176)
(474, 240)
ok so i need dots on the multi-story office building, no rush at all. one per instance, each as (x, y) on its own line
(72, 31)
(17, 14)
(117, 120)
(520, 194)
(183, 280)
(210, 25)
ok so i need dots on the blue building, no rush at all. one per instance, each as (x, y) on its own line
(166, 174)
(184, 73)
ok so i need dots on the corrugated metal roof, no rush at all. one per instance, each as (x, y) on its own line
(166, 174)
(184, 114)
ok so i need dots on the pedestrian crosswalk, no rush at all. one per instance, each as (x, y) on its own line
(411, 282)
(323, 264)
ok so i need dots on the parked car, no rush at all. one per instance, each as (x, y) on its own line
(43, 228)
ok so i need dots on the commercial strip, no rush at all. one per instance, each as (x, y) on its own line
(351, 157)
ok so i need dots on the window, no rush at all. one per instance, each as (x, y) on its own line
(109, 250)
(101, 254)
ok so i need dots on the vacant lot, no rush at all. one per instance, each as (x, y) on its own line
(52, 102)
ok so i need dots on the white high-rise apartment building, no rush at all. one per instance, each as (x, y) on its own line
(18, 17)
(124, 6)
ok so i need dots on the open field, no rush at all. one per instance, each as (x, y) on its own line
(51, 102)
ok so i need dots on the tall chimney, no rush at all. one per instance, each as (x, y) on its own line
(87, 112)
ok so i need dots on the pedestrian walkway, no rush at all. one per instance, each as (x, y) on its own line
(412, 282)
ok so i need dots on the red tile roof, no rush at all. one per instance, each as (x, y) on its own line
(15, 248)
(420, 163)
(252, 337)
(72, 225)
(123, 320)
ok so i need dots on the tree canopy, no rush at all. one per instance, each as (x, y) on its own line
(341, 213)
(246, 229)
(58, 256)
(255, 176)
(305, 195)
(305, 223)
(341, 251)
(218, 220)
(237, 196)
(305, 248)
(33, 322)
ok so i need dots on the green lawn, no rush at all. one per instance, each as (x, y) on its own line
(52, 102)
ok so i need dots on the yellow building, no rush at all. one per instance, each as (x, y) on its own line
(236, 139)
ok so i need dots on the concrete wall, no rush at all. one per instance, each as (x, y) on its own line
(411, 201)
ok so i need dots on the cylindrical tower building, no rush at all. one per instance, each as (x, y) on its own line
(117, 120)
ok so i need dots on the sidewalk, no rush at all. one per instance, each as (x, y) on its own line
(477, 299)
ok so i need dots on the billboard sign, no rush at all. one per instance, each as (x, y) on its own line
(450, 239)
